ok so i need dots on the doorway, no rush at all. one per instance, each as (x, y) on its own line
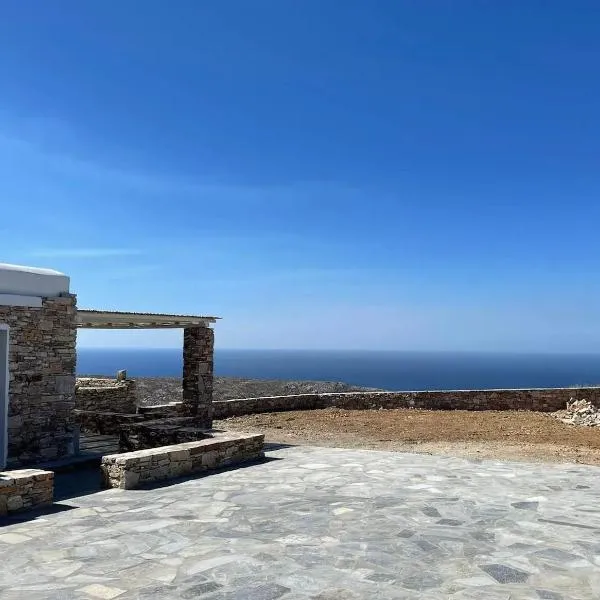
(3, 395)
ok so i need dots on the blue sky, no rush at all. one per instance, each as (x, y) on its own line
(321, 174)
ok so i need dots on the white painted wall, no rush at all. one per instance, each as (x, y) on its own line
(4, 340)
(18, 280)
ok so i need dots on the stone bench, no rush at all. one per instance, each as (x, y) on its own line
(134, 469)
(24, 489)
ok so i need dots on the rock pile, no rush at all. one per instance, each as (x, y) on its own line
(579, 412)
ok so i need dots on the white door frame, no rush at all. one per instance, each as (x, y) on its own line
(4, 379)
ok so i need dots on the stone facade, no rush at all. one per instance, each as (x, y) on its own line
(134, 469)
(25, 489)
(198, 343)
(41, 380)
(108, 395)
(543, 400)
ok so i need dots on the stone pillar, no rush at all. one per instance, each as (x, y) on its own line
(41, 362)
(198, 374)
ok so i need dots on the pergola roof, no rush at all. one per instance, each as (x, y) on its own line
(106, 319)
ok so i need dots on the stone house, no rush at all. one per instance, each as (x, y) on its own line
(37, 365)
(38, 331)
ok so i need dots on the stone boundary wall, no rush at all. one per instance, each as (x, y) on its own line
(543, 400)
(134, 469)
(107, 395)
(25, 489)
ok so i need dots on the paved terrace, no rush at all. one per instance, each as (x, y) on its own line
(324, 524)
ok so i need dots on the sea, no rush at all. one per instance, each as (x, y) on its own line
(381, 369)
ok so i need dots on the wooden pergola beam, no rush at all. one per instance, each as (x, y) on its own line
(99, 319)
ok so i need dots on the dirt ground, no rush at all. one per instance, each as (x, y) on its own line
(506, 435)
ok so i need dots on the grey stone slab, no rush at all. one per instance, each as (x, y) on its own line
(557, 555)
(549, 595)
(525, 505)
(324, 524)
(450, 522)
(505, 574)
(200, 589)
(267, 591)
(431, 511)
(406, 533)
(422, 581)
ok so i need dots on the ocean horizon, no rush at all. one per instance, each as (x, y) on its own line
(395, 370)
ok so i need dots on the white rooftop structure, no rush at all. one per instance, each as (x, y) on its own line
(18, 283)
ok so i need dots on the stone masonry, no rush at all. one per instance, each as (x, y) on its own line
(101, 394)
(543, 400)
(161, 432)
(25, 489)
(104, 423)
(133, 469)
(198, 345)
(41, 380)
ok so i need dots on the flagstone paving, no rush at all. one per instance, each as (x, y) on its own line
(324, 524)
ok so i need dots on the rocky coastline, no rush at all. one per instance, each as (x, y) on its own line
(151, 391)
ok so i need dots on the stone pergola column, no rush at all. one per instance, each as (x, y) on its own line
(198, 343)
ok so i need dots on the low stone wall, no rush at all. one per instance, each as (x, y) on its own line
(245, 406)
(543, 400)
(107, 395)
(24, 489)
(134, 469)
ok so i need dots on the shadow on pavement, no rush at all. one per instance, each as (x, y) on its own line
(85, 479)
(76, 482)
(168, 482)
(31, 515)
(277, 446)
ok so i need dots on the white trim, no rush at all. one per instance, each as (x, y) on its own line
(19, 300)
(4, 398)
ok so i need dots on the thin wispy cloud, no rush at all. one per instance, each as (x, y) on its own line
(33, 141)
(84, 252)
(132, 272)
